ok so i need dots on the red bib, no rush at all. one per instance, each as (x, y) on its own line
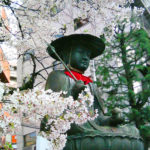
(79, 76)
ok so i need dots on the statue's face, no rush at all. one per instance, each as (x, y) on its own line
(80, 58)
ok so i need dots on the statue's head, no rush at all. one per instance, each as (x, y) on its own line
(79, 57)
(76, 50)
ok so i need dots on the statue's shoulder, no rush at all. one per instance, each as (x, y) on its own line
(57, 73)
(57, 81)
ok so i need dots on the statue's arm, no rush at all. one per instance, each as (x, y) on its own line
(57, 81)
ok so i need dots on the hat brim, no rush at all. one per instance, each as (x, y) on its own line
(93, 43)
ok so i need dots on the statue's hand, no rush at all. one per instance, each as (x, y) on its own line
(117, 117)
(78, 88)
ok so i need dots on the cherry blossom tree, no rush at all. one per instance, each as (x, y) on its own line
(60, 112)
(39, 20)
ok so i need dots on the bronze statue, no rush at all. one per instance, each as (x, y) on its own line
(104, 133)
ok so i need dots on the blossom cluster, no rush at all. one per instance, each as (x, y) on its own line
(59, 109)
(42, 20)
(109, 14)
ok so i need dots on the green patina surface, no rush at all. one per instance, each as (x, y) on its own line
(104, 133)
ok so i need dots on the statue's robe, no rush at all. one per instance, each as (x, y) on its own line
(96, 134)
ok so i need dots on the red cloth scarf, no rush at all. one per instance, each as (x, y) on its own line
(79, 76)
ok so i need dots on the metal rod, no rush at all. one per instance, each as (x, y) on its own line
(53, 49)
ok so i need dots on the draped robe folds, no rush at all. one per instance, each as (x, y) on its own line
(96, 134)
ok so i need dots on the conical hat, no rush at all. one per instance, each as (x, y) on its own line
(92, 43)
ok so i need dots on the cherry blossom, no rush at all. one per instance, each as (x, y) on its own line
(41, 20)
(61, 112)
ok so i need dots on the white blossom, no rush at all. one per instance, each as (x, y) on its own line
(60, 110)
(41, 20)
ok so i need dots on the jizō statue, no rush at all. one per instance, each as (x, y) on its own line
(104, 133)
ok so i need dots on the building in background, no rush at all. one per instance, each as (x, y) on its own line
(8, 68)
(4, 68)
(8, 53)
(146, 15)
(145, 18)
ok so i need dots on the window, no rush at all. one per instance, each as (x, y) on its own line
(30, 139)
